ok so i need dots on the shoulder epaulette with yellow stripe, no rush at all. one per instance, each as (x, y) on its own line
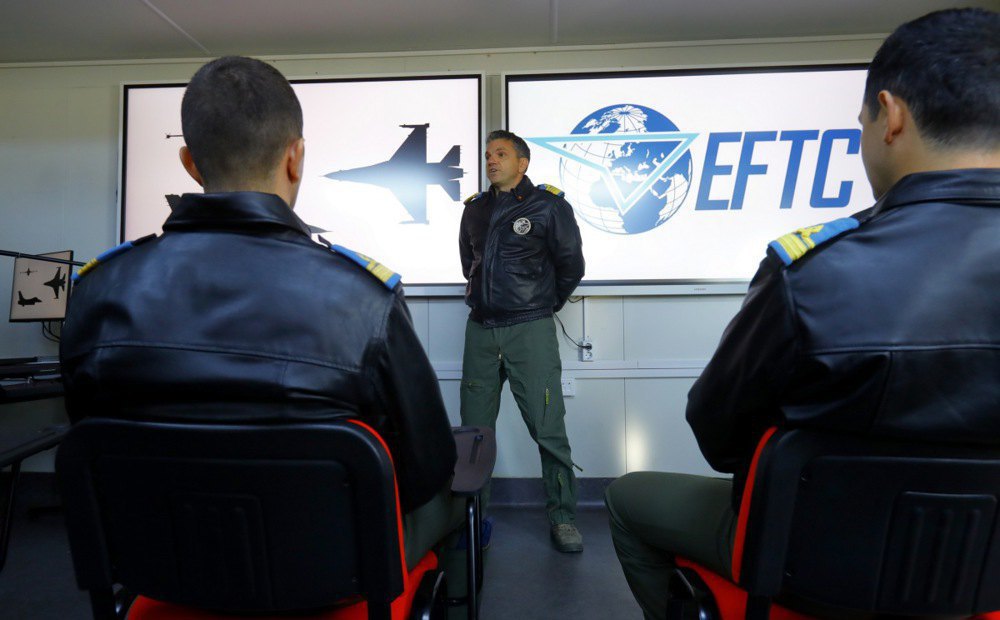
(107, 255)
(386, 276)
(797, 244)
(473, 197)
(552, 189)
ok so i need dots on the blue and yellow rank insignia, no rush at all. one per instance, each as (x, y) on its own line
(107, 255)
(386, 276)
(797, 244)
(473, 197)
(551, 189)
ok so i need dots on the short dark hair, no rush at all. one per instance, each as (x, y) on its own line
(519, 144)
(238, 115)
(946, 67)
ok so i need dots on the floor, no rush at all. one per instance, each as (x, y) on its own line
(525, 577)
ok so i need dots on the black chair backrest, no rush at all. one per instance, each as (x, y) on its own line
(874, 525)
(258, 518)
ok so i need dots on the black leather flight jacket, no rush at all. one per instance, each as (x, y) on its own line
(521, 254)
(235, 315)
(890, 329)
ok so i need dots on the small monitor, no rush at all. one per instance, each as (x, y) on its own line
(40, 288)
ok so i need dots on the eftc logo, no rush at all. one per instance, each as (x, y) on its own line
(628, 168)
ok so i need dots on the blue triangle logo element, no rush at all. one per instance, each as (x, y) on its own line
(682, 143)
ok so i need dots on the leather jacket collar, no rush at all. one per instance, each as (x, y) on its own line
(521, 191)
(233, 211)
(975, 185)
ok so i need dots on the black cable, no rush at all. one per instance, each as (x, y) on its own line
(575, 301)
(48, 333)
(568, 337)
(45, 334)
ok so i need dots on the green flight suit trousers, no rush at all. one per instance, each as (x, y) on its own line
(656, 515)
(528, 355)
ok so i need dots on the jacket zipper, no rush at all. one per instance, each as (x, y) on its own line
(491, 236)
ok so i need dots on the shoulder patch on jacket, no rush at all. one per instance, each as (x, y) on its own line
(797, 244)
(552, 189)
(386, 276)
(107, 255)
(473, 197)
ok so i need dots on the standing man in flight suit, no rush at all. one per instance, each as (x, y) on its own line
(885, 323)
(522, 257)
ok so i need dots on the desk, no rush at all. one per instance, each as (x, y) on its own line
(25, 379)
(15, 446)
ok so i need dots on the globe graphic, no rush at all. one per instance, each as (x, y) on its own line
(630, 164)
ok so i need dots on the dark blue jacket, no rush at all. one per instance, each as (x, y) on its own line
(891, 329)
(235, 315)
(521, 254)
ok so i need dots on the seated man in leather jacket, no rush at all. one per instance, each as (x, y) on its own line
(234, 314)
(885, 323)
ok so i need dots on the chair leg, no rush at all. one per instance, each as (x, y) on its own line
(689, 597)
(8, 517)
(478, 517)
(123, 600)
(430, 603)
(472, 559)
(102, 604)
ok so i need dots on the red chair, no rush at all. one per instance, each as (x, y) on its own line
(836, 524)
(210, 521)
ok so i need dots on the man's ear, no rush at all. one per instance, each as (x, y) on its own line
(896, 115)
(295, 156)
(188, 162)
(522, 165)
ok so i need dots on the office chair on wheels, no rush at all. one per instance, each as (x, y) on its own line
(833, 524)
(204, 521)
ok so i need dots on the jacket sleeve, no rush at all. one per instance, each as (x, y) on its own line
(738, 394)
(419, 431)
(566, 250)
(465, 246)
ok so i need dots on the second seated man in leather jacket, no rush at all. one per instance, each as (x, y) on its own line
(522, 258)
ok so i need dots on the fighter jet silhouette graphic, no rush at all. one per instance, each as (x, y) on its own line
(57, 282)
(408, 173)
(28, 272)
(21, 301)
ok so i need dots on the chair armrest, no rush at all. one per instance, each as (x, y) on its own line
(477, 454)
(15, 446)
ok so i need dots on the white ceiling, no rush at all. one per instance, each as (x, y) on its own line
(81, 30)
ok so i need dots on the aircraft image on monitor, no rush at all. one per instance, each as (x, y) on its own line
(21, 301)
(57, 282)
(28, 272)
(408, 173)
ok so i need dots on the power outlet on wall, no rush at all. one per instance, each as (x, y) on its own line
(568, 386)
(586, 349)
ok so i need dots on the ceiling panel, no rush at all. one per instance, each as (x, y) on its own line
(76, 30)
(321, 26)
(633, 21)
(44, 30)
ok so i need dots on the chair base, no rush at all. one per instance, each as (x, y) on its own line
(422, 599)
(700, 594)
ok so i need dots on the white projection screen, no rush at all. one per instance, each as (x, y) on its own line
(388, 163)
(685, 176)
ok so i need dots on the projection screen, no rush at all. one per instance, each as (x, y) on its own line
(685, 176)
(388, 163)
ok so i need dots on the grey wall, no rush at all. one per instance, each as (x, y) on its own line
(59, 128)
